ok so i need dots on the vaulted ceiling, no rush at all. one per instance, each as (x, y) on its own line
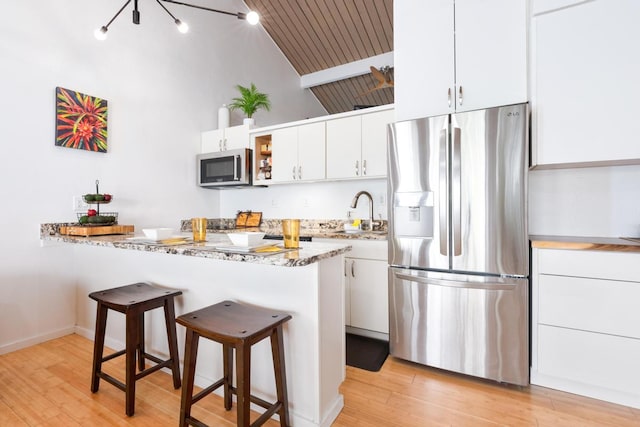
(319, 35)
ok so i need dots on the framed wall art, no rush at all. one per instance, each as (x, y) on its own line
(81, 121)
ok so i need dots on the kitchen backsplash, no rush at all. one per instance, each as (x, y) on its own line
(274, 226)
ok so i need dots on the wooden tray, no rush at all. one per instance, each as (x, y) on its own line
(81, 230)
(248, 219)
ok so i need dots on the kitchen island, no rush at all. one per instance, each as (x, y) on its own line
(307, 283)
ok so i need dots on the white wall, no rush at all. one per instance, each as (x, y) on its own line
(307, 201)
(601, 202)
(163, 89)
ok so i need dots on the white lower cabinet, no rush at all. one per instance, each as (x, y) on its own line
(586, 323)
(366, 287)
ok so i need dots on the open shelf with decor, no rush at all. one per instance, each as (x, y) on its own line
(262, 159)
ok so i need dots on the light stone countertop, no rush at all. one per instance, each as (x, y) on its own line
(308, 253)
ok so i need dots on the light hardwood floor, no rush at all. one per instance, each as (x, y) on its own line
(48, 385)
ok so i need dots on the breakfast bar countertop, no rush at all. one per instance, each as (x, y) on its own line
(308, 253)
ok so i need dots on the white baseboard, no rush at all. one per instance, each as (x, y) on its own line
(38, 339)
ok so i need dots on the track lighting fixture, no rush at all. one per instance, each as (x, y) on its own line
(101, 33)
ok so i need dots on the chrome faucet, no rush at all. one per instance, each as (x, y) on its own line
(354, 203)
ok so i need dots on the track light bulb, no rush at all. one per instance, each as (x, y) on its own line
(100, 33)
(182, 26)
(253, 18)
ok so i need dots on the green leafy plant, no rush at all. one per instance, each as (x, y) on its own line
(250, 100)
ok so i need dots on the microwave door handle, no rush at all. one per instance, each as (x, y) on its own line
(236, 166)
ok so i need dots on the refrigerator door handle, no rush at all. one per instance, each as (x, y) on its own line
(456, 201)
(443, 204)
(451, 284)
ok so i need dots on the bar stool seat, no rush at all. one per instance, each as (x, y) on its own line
(235, 326)
(133, 301)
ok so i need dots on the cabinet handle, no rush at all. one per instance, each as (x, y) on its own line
(225, 144)
(364, 167)
(299, 172)
(293, 172)
(353, 274)
(449, 97)
(460, 95)
(219, 145)
(345, 268)
(357, 168)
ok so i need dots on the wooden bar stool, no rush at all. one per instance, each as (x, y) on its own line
(238, 327)
(134, 300)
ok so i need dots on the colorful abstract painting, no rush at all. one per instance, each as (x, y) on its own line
(81, 121)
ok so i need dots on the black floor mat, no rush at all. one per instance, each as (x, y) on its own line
(366, 353)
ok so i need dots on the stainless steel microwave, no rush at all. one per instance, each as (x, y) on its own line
(224, 169)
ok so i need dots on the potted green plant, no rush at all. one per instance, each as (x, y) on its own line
(249, 101)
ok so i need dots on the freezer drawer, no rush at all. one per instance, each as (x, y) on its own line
(474, 325)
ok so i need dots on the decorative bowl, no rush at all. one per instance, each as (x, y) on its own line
(248, 238)
(157, 233)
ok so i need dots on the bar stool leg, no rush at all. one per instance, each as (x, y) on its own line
(277, 351)
(98, 346)
(227, 363)
(132, 341)
(140, 345)
(169, 318)
(190, 355)
(243, 386)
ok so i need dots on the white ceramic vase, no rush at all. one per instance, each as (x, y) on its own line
(223, 117)
(249, 121)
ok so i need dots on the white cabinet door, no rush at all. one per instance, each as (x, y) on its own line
(585, 83)
(368, 294)
(491, 53)
(211, 141)
(374, 143)
(284, 154)
(423, 58)
(477, 47)
(311, 152)
(344, 139)
(230, 138)
(585, 331)
(236, 137)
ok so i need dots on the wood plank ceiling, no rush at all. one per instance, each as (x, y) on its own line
(318, 34)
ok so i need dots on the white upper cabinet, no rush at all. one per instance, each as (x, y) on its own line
(374, 142)
(357, 146)
(585, 68)
(458, 55)
(284, 152)
(298, 153)
(230, 138)
(311, 151)
(344, 141)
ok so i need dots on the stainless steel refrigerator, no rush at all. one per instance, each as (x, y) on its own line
(458, 242)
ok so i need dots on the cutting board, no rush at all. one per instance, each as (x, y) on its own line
(82, 230)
